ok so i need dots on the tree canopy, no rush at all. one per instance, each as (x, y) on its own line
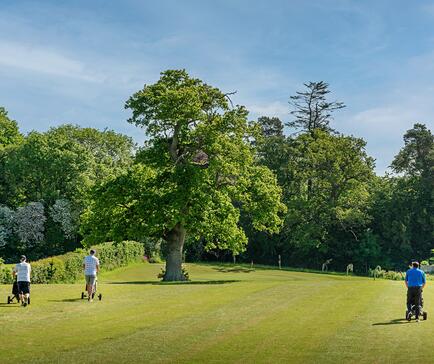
(198, 169)
(9, 132)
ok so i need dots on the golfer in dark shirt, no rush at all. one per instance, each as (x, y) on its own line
(415, 281)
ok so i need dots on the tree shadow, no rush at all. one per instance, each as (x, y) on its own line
(237, 269)
(392, 322)
(157, 283)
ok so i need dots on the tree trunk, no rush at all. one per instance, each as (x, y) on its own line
(309, 189)
(175, 241)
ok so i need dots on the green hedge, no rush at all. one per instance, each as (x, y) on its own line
(380, 273)
(68, 268)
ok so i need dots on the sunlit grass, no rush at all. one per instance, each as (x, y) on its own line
(228, 314)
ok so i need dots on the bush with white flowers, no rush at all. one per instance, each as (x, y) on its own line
(61, 213)
(6, 224)
(29, 223)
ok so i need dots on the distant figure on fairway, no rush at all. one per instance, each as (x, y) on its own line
(22, 271)
(91, 268)
(415, 281)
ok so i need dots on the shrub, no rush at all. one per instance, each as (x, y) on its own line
(68, 268)
(5, 273)
(381, 273)
(48, 270)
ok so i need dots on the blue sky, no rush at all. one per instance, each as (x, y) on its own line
(79, 61)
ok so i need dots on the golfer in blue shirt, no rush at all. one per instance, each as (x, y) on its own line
(415, 281)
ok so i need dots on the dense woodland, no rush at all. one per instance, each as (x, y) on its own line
(226, 185)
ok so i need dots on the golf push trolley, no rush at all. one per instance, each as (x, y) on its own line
(16, 294)
(85, 294)
(412, 313)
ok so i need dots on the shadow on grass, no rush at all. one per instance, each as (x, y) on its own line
(238, 269)
(156, 283)
(392, 322)
(11, 305)
(67, 300)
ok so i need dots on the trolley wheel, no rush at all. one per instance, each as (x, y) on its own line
(28, 300)
(407, 315)
(100, 296)
(93, 295)
(425, 315)
(82, 295)
(9, 300)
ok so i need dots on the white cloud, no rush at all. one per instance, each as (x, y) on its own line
(43, 60)
(388, 120)
(428, 9)
(384, 126)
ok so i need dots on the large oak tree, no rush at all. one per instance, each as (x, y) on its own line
(195, 174)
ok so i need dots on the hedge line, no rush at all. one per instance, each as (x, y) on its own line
(68, 268)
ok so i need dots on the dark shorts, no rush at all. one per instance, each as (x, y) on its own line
(24, 287)
(414, 297)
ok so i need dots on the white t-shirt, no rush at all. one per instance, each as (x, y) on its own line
(90, 264)
(23, 270)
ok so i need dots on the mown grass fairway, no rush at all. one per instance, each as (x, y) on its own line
(227, 315)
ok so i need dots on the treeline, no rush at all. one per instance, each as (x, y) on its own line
(203, 176)
(45, 179)
(339, 210)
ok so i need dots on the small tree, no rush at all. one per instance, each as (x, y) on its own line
(197, 172)
(311, 108)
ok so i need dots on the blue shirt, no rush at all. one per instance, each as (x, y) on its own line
(415, 277)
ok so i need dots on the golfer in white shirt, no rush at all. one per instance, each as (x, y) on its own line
(22, 272)
(91, 268)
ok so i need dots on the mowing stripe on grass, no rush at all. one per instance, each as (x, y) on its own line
(261, 316)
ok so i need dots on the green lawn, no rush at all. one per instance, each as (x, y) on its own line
(228, 315)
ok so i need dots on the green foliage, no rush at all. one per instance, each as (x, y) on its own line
(68, 268)
(272, 148)
(417, 155)
(49, 270)
(384, 274)
(194, 175)
(56, 170)
(208, 175)
(46, 168)
(326, 188)
(5, 273)
(109, 152)
(63, 163)
(9, 132)
(403, 206)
